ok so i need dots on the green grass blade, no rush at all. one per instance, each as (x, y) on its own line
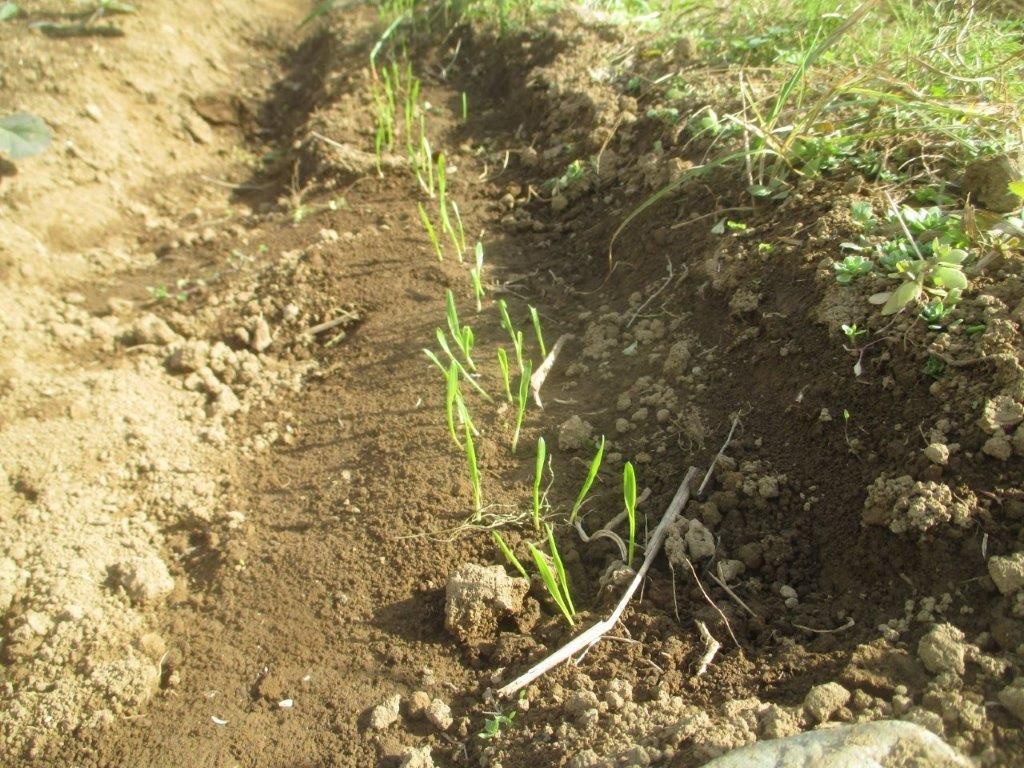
(451, 396)
(474, 471)
(629, 496)
(538, 476)
(563, 580)
(503, 365)
(549, 582)
(510, 556)
(595, 467)
(524, 392)
(535, 318)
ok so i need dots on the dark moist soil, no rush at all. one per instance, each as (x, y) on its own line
(331, 594)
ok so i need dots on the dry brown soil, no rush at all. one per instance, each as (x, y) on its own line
(223, 548)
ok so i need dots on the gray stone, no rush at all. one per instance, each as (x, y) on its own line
(882, 744)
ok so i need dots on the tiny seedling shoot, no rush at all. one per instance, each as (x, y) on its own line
(503, 366)
(510, 556)
(474, 472)
(523, 395)
(629, 496)
(538, 476)
(535, 319)
(595, 466)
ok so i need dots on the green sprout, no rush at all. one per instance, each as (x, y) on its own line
(538, 476)
(852, 331)
(493, 726)
(516, 336)
(465, 374)
(852, 267)
(629, 496)
(451, 398)
(465, 107)
(555, 580)
(462, 232)
(442, 196)
(474, 472)
(940, 275)
(462, 335)
(476, 276)
(503, 366)
(595, 466)
(510, 556)
(430, 231)
(524, 393)
(535, 319)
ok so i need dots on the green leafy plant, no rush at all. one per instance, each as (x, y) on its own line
(595, 467)
(510, 556)
(23, 135)
(852, 331)
(522, 397)
(494, 725)
(629, 496)
(538, 476)
(863, 214)
(9, 11)
(555, 581)
(939, 275)
(852, 267)
(535, 319)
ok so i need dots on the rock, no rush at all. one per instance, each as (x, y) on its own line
(190, 356)
(439, 715)
(1007, 571)
(677, 361)
(881, 744)
(260, 337)
(937, 453)
(823, 701)
(150, 329)
(386, 713)
(986, 181)
(699, 540)
(777, 723)
(943, 650)
(574, 433)
(225, 403)
(1012, 697)
(145, 579)
(999, 413)
(477, 597)
(417, 704)
(417, 757)
(998, 447)
(768, 487)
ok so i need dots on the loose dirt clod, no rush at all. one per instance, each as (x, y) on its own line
(478, 597)
(1007, 572)
(943, 650)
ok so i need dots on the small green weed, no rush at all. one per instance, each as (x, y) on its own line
(494, 725)
(23, 135)
(852, 267)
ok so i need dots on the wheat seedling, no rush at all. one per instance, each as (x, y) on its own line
(444, 370)
(442, 198)
(524, 393)
(542, 454)
(503, 366)
(430, 231)
(517, 336)
(506, 550)
(557, 585)
(535, 319)
(476, 276)
(595, 466)
(461, 245)
(462, 335)
(465, 107)
(474, 472)
(451, 397)
(629, 495)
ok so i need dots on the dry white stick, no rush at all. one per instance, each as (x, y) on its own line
(712, 603)
(721, 582)
(847, 625)
(594, 634)
(711, 647)
(538, 377)
(332, 323)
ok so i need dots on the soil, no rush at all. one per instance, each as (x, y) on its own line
(226, 539)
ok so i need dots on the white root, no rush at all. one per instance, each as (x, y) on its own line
(538, 377)
(711, 648)
(595, 633)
